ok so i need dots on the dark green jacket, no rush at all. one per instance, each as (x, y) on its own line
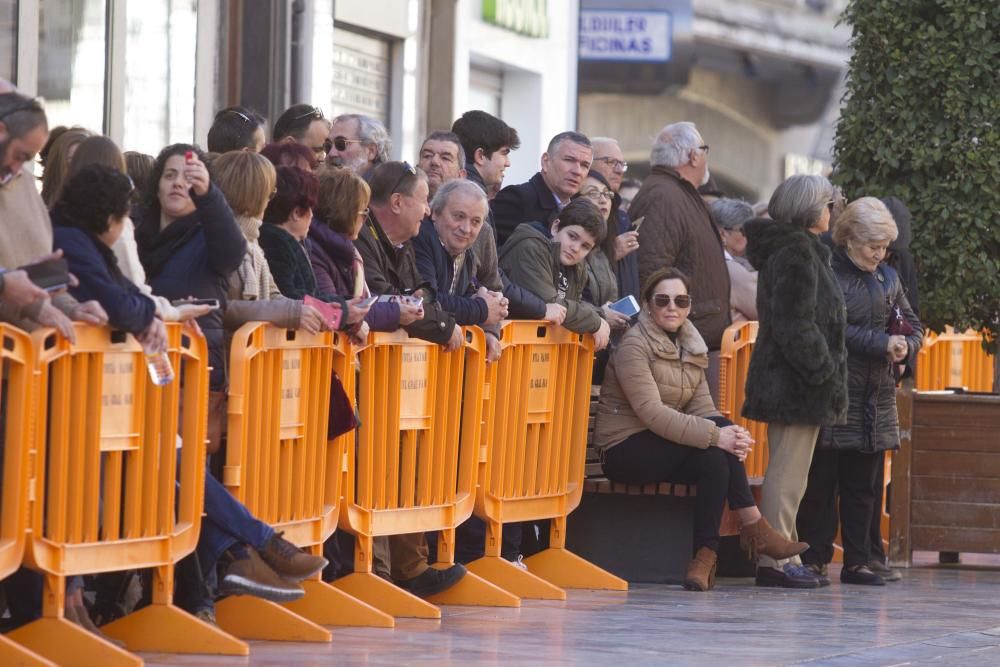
(531, 259)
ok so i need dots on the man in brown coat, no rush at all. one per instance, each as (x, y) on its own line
(678, 231)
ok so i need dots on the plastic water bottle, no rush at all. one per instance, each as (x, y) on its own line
(161, 371)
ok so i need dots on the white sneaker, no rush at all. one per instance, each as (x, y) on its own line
(520, 563)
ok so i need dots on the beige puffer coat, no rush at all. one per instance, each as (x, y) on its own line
(653, 384)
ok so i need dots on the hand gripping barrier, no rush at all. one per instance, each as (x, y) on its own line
(18, 363)
(280, 464)
(112, 491)
(414, 469)
(954, 360)
(534, 460)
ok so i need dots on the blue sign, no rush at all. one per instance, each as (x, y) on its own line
(625, 35)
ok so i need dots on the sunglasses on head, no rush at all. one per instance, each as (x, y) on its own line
(246, 118)
(340, 143)
(312, 112)
(663, 300)
(408, 170)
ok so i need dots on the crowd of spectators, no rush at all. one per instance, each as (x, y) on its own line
(253, 230)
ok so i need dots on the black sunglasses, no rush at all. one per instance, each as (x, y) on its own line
(408, 170)
(246, 118)
(340, 143)
(663, 300)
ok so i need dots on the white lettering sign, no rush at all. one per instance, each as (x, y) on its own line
(625, 35)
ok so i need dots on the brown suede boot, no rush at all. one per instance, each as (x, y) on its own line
(760, 538)
(701, 571)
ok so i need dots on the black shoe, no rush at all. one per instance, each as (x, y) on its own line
(884, 571)
(820, 572)
(861, 575)
(433, 581)
(790, 576)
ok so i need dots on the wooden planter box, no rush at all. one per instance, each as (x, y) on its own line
(946, 476)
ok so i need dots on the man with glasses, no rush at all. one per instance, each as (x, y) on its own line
(678, 232)
(25, 228)
(304, 124)
(565, 164)
(609, 162)
(359, 143)
(398, 204)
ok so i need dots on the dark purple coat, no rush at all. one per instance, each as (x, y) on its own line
(332, 257)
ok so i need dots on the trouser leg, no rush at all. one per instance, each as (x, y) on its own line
(817, 519)
(857, 476)
(408, 555)
(876, 551)
(790, 448)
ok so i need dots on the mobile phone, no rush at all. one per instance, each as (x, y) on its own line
(214, 303)
(51, 275)
(627, 306)
(188, 157)
(330, 312)
(401, 298)
(637, 223)
(367, 301)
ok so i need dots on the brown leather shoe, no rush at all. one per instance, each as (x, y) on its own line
(760, 538)
(701, 571)
(289, 561)
(252, 576)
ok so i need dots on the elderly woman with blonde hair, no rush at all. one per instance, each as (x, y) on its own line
(882, 331)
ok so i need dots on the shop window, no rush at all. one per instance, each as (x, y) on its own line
(159, 74)
(71, 61)
(8, 39)
(360, 75)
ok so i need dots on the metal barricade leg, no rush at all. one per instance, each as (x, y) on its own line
(566, 569)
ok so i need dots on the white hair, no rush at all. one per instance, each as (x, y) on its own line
(453, 187)
(371, 131)
(674, 144)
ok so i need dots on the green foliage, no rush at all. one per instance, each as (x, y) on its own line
(920, 122)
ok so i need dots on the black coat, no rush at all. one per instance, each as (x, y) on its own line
(524, 202)
(798, 371)
(871, 388)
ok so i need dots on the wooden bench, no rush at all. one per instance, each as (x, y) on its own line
(643, 533)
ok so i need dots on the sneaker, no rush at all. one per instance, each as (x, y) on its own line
(252, 576)
(861, 575)
(519, 563)
(206, 615)
(820, 572)
(790, 576)
(289, 561)
(884, 571)
(432, 581)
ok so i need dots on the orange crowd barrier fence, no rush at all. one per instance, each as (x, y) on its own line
(734, 362)
(17, 364)
(533, 460)
(953, 359)
(414, 469)
(118, 479)
(281, 465)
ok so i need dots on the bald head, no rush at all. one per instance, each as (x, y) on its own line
(609, 161)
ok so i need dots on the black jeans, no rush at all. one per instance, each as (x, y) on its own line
(875, 551)
(851, 474)
(646, 458)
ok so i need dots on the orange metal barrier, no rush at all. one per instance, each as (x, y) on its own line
(415, 465)
(954, 360)
(110, 493)
(18, 364)
(280, 464)
(533, 462)
(734, 361)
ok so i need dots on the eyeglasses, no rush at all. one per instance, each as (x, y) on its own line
(313, 112)
(830, 204)
(617, 165)
(408, 170)
(663, 300)
(703, 147)
(340, 143)
(363, 213)
(596, 195)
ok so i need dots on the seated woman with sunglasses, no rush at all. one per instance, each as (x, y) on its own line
(656, 422)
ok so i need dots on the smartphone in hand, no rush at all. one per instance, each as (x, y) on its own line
(627, 306)
(51, 275)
